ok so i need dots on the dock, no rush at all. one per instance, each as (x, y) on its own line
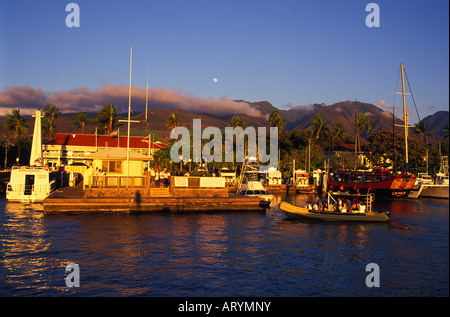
(73, 200)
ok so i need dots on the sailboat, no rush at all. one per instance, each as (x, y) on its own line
(33, 183)
(380, 181)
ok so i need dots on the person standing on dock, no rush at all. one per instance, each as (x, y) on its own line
(94, 177)
(157, 178)
(152, 177)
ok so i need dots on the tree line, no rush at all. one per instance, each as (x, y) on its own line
(320, 141)
(323, 142)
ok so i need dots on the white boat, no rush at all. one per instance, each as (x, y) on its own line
(422, 180)
(34, 183)
(30, 184)
(301, 178)
(256, 188)
(248, 183)
(435, 191)
(438, 187)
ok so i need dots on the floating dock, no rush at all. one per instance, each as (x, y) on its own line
(73, 200)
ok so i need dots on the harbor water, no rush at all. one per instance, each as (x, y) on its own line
(226, 254)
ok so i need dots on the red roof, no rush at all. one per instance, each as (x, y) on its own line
(70, 139)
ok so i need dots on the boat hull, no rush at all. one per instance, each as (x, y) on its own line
(435, 191)
(298, 213)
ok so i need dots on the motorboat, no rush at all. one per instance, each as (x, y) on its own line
(30, 184)
(33, 183)
(256, 188)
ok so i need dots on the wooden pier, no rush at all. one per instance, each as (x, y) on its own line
(73, 200)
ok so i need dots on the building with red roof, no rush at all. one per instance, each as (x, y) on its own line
(68, 148)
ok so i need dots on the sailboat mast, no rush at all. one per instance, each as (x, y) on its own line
(146, 98)
(405, 115)
(129, 110)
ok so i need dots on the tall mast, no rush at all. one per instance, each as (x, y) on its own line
(405, 115)
(146, 98)
(356, 132)
(129, 111)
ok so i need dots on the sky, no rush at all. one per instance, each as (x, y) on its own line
(201, 55)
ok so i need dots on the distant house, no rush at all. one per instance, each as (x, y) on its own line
(73, 149)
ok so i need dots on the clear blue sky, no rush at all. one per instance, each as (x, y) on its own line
(284, 51)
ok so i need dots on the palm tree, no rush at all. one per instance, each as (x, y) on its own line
(317, 126)
(107, 118)
(81, 120)
(17, 125)
(50, 114)
(237, 122)
(172, 122)
(275, 120)
(338, 133)
(364, 123)
(421, 128)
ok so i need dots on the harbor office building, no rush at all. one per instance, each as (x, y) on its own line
(82, 150)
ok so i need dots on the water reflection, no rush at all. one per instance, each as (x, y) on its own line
(223, 254)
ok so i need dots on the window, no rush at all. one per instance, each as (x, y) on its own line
(112, 166)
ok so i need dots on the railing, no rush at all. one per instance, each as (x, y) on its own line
(113, 181)
(198, 182)
(120, 181)
(28, 189)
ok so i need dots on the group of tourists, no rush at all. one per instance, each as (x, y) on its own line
(157, 177)
(342, 205)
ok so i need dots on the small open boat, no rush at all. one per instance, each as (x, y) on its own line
(333, 214)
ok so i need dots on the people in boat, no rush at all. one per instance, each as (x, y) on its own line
(362, 207)
(315, 206)
(339, 204)
(344, 208)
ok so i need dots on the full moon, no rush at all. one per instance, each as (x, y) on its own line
(215, 79)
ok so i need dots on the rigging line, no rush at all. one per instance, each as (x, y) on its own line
(412, 95)
(417, 112)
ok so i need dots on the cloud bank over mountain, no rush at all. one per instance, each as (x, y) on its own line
(28, 99)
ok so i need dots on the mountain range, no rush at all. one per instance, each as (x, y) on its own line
(299, 117)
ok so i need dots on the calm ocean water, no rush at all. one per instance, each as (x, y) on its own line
(243, 254)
